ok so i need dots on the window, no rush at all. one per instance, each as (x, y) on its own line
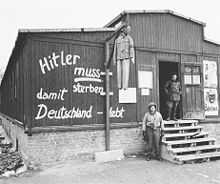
(192, 75)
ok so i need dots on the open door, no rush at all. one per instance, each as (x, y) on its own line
(166, 70)
(192, 92)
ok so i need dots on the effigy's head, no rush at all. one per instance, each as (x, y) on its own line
(126, 30)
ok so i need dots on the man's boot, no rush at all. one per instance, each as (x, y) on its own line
(168, 114)
(174, 115)
(174, 111)
(169, 110)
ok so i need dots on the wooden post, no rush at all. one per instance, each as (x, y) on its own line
(107, 87)
(107, 104)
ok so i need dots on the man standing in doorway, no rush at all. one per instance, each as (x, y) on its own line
(123, 54)
(173, 91)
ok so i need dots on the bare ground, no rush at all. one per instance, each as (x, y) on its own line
(128, 171)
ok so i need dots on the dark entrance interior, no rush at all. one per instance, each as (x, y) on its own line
(166, 69)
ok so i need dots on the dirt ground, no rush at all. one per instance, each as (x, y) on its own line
(127, 171)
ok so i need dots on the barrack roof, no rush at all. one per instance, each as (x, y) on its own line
(104, 29)
(152, 12)
(211, 41)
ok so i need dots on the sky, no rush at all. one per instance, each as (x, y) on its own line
(94, 13)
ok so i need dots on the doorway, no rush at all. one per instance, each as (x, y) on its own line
(166, 69)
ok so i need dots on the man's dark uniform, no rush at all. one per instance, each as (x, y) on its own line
(173, 91)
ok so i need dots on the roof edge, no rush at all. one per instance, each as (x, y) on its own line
(18, 37)
(105, 29)
(211, 41)
(153, 11)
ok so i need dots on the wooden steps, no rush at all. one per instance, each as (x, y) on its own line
(184, 141)
(186, 135)
(189, 141)
(194, 157)
(182, 129)
(181, 122)
(196, 149)
(183, 136)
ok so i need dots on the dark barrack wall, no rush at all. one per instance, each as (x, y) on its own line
(30, 87)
